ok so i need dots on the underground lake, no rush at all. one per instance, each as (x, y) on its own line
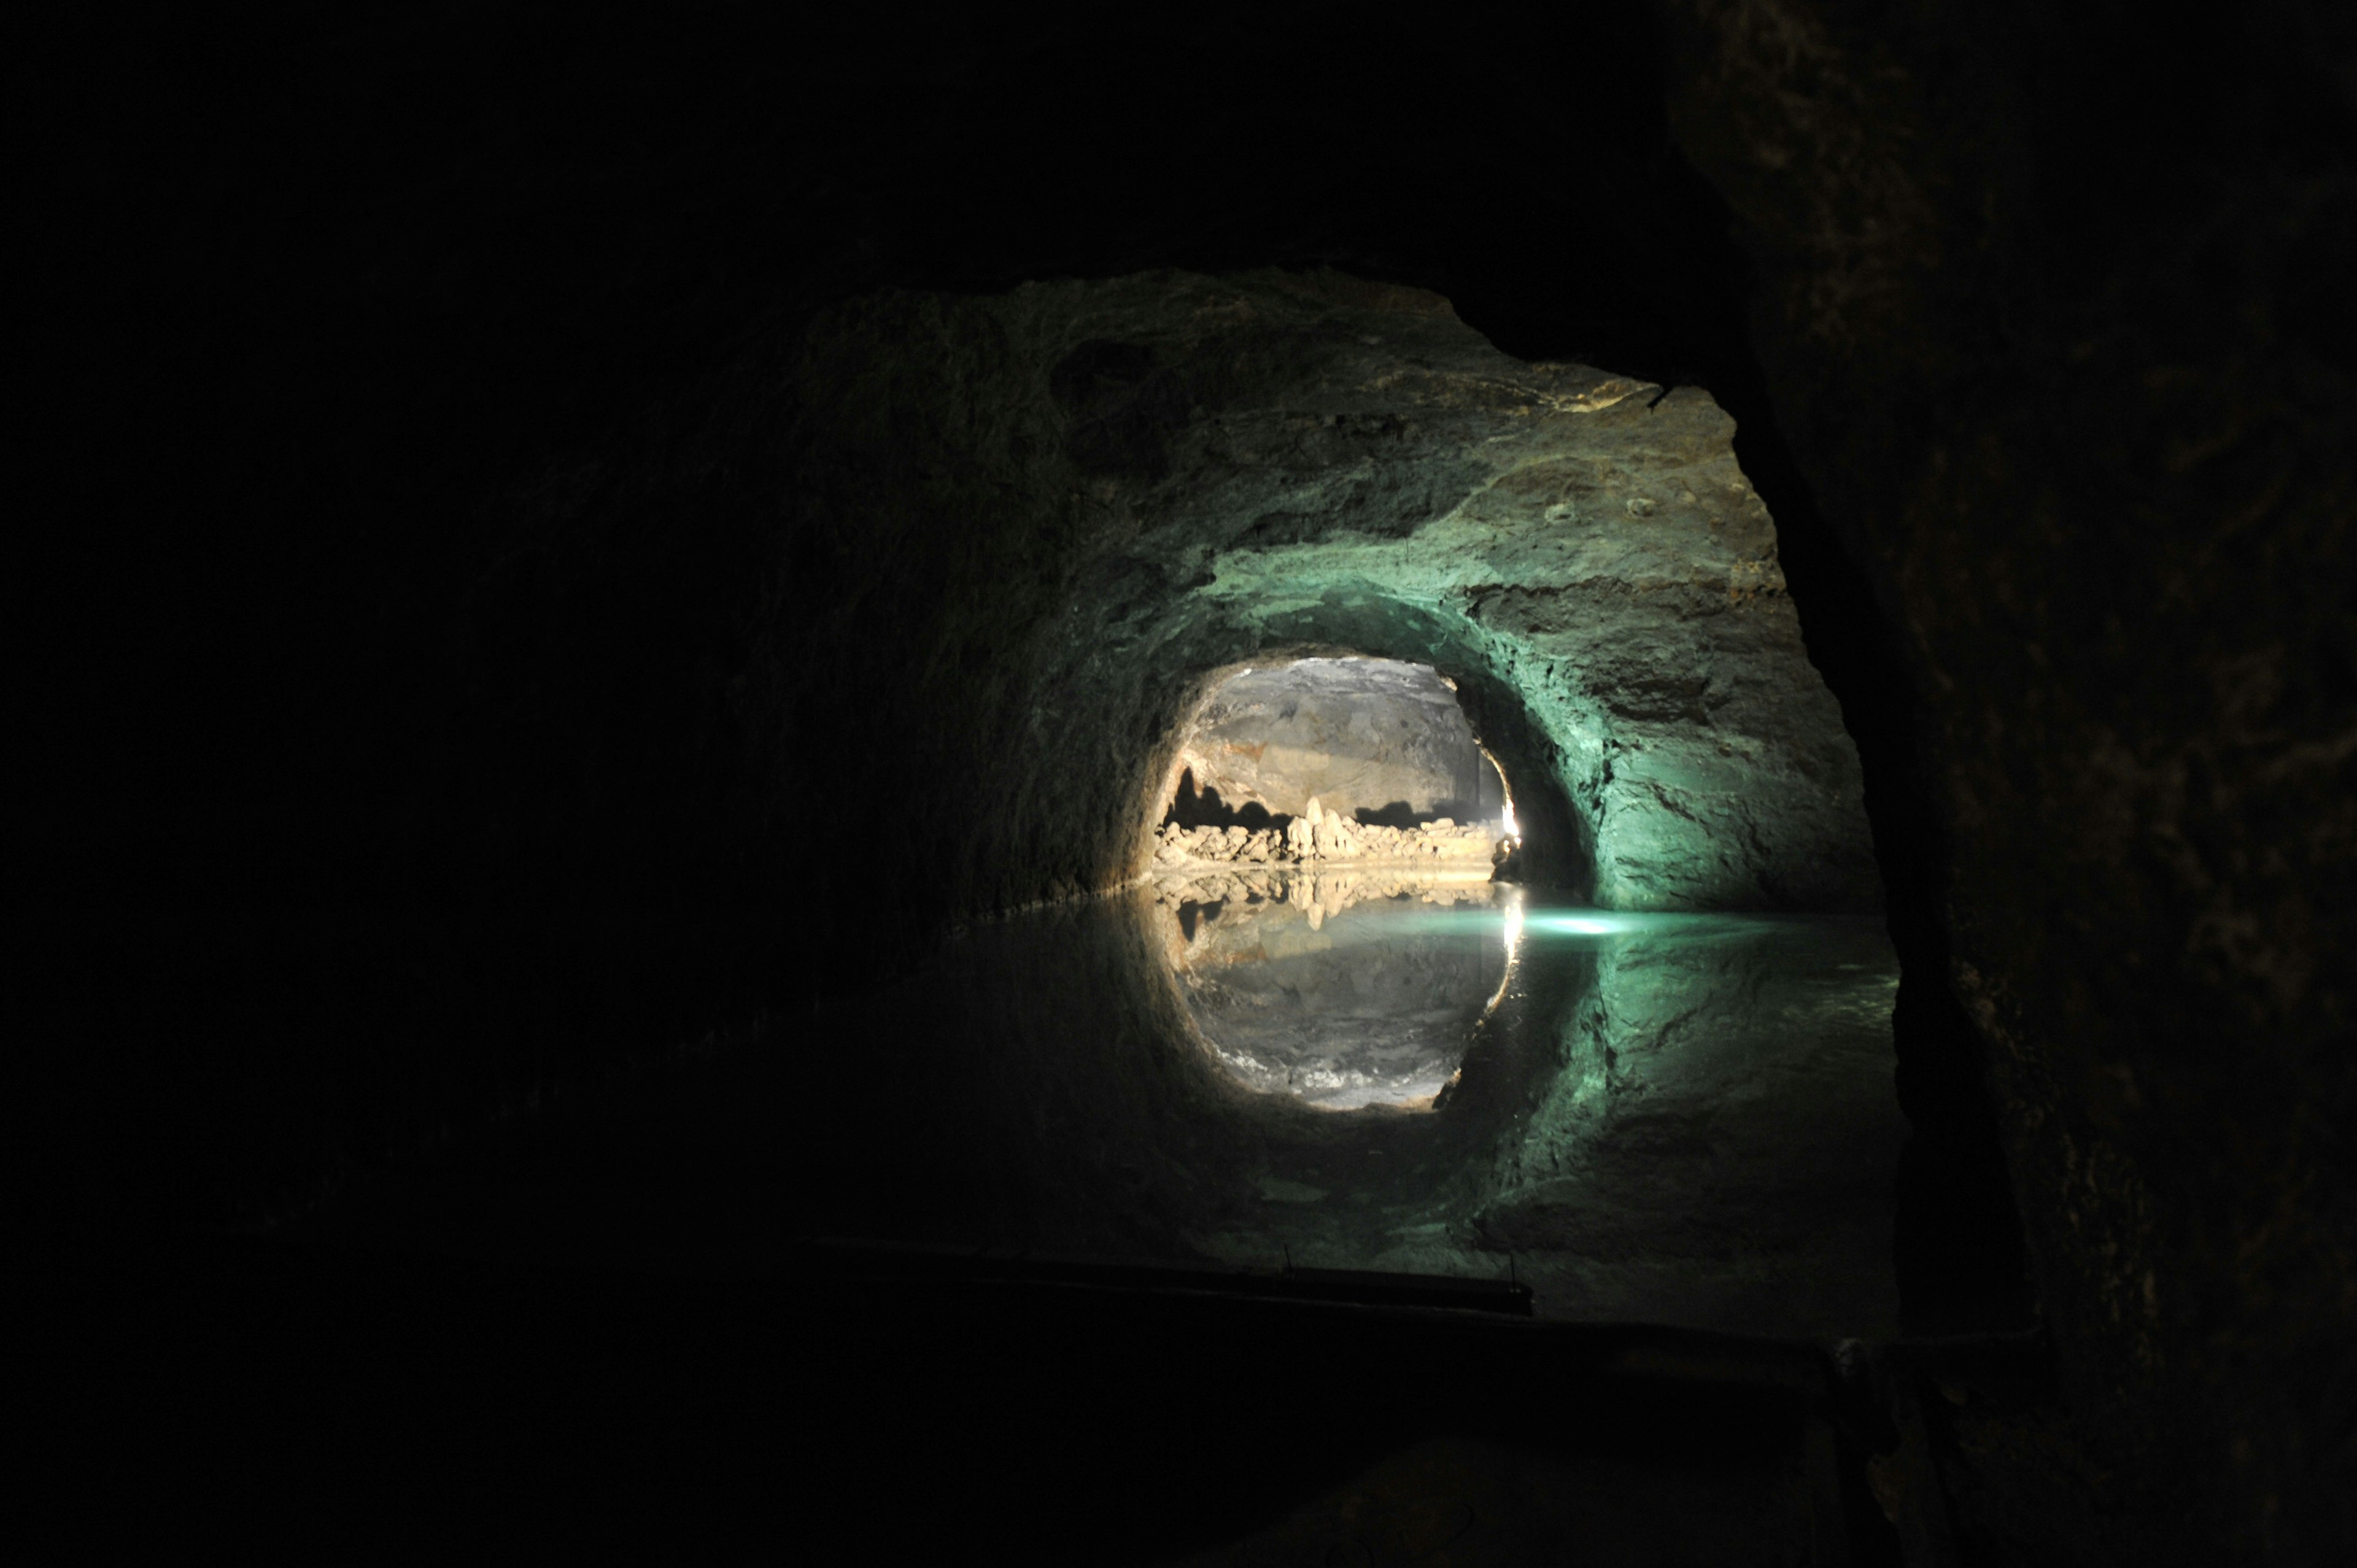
(1424, 847)
(1675, 1118)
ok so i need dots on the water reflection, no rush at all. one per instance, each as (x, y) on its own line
(1655, 1118)
(1341, 990)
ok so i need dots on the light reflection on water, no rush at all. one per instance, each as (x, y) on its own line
(1372, 1004)
(1346, 992)
(1678, 1117)
(1660, 1118)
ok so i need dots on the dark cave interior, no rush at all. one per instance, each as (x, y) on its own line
(573, 544)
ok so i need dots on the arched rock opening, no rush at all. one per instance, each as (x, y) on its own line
(1376, 741)
(1165, 476)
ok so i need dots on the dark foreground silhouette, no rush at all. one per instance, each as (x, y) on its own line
(881, 1401)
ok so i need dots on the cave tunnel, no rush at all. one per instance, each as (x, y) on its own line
(1375, 741)
(1607, 762)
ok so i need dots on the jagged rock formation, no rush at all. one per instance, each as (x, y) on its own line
(1325, 837)
(2057, 322)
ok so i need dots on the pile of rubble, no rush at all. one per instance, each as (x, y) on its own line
(1321, 835)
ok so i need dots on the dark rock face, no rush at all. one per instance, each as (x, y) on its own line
(2032, 310)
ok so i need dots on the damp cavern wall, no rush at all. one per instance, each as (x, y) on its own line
(2077, 409)
(1161, 476)
(531, 565)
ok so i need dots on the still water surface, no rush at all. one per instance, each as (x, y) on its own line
(1672, 1119)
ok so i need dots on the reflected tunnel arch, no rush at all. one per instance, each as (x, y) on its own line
(995, 567)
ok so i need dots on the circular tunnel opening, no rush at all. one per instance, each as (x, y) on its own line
(1370, 1050)
(1327, 867)
(1341, 759)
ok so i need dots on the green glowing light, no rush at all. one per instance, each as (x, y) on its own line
(1576, 925)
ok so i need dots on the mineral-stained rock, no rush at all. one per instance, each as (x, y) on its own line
(1309, 465)
(2121, 732)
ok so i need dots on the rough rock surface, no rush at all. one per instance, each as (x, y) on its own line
(1164, 476)
(2057, 319)
(1357, 735)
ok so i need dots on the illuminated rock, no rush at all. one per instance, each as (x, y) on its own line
(1296, 837)
(1184, 476)
(1358, 735)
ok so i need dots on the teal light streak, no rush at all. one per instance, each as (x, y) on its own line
(1577, 924)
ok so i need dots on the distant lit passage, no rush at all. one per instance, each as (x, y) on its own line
(1325, 859)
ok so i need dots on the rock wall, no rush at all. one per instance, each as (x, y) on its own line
(1163, 476)
(1319, 837)
(2055, 315)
